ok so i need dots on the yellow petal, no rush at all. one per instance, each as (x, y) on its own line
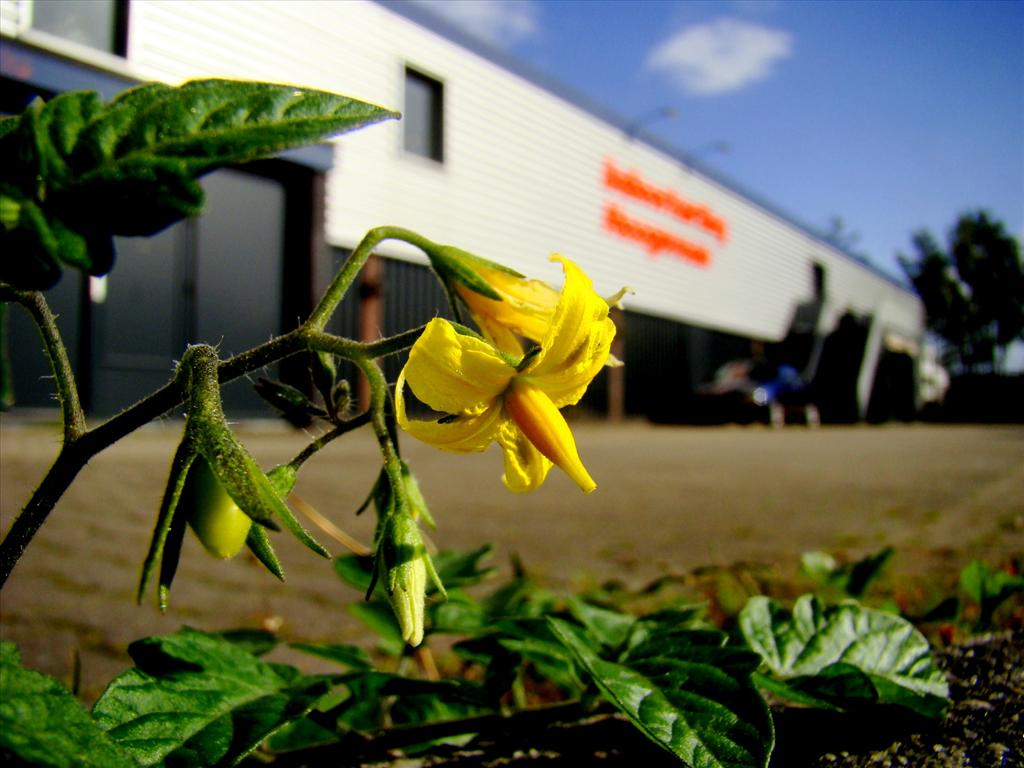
(453, 373)
(462, 434)
(502, 336)
(526, 308)
(545, 427)
(577, 343)
(525, 466)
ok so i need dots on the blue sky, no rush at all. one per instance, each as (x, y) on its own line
(893, 116)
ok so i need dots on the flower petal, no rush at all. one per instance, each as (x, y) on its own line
(462, 434)
(525, 466)
(526, 308)
(453, 373)
(577, 342)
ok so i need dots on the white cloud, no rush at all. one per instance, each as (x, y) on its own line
(498, 22)
(723, 55)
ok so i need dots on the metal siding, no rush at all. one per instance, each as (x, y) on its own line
(523, 170)
(411, 297)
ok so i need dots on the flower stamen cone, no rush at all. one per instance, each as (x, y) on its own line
(545, 427)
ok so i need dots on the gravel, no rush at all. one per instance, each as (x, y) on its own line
(985, 726)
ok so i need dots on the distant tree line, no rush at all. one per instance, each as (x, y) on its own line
(973, 292)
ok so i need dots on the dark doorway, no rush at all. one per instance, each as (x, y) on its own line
(215, 279)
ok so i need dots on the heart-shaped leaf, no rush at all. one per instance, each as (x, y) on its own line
(811, 639)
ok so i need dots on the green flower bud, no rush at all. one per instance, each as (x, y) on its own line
(404, 567)
(408, 597)
(401, 557)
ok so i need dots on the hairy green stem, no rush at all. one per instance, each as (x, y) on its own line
(383, 427)
(63, 375)
(348, 349)
(345, 427)
(81, 444)
(65, 468)
(347, 274)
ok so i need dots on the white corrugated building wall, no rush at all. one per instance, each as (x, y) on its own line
(525, 169)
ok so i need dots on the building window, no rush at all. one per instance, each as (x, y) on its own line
(818, 275)
(99, 24)
(423, 117)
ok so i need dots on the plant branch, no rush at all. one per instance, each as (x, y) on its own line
(65, 468)
(347, 274)
(382, 428)
(381, 745)
(56, 353)
(348, 349)
(354, 423)
(81, 444)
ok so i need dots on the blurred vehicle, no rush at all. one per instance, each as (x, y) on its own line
(751, 390)
(933, 383)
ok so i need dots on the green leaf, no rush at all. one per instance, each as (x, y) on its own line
(457, 568)
(292, 402)
(887, 648)
(227, 740)
(82, 171)
(865, 571)
(261, 548)
(42, 724)
(258, 642)
(853, 578)
(509, 642)
(199, 694)
(419, 701)
(300, 734)
(609, 627)
(819, 565)
(663, 624)
(7, 124)
(183, 458)
(837, 687)
(361, 708)
(988, 588)
(346, 655)
(521, 597)
(354, 570)
(460, 614)
(698, 703)
(379, 617)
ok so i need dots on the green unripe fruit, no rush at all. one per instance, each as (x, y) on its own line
(218, 522)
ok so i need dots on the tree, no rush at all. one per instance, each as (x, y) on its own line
(973, 292)
(843, 238)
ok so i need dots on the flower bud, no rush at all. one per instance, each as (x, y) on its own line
(404, 567)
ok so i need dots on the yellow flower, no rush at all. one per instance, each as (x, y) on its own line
(524, 309)
(488, 398)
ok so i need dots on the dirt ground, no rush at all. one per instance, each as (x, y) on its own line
(669, 500)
